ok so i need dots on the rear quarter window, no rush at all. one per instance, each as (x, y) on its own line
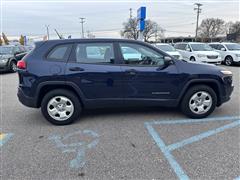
(59, 53)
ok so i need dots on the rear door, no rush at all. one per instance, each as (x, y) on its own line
(92, 66)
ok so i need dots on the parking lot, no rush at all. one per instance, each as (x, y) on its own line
(145, 143)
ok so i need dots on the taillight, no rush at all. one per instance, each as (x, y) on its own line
(21, 64)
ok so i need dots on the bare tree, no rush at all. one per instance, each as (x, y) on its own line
(211, 27)
(130, 30)
(235, 27)
(152, 29)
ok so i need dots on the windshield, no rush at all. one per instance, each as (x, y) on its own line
(6, 50)
(201, 47)
(232, 47)
(166, 47)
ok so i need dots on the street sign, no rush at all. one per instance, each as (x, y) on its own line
(141, 13)
(141, 25)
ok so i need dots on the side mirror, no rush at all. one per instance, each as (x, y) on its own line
(168, 60)
(223, 49)
(188, 49)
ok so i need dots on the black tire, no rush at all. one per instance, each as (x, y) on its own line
(185, 107)
(192, 59)
(13, 66)
(64, 93)
(228, 61)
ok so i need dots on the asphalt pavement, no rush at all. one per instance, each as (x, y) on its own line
(136, 143)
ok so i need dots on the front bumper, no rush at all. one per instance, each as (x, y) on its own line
(227, 97)
(4, 67)
(26, 100)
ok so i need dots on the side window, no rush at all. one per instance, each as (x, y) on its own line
(176, 46)
(182, 46)
(135, 54)
(95, 53)
(214, 46)
(220, 47)
(187, 47)
(59, 53)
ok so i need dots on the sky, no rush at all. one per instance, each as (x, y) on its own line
(105, 18)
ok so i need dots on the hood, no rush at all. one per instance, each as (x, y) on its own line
(207, 52)
(173, 53)
(198, 68)
(5, 56)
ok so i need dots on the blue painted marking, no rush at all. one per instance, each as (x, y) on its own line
(79, 147)
(238, 178)
(5, 139)
(202, 136)
(183, 121)
(167, 149)
(174, 164)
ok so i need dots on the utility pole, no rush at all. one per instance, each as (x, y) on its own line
(198, 9)
(47, 27)
(82, 21)
(130, 13)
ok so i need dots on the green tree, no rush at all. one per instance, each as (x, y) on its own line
(21, 40)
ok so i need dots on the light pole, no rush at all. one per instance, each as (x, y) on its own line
(82, 21)
(198, 12)
(47, 27)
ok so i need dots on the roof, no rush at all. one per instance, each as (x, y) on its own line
(93, 40)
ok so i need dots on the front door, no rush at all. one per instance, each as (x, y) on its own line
(145, 77)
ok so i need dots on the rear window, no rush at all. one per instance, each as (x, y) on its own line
(59, 53)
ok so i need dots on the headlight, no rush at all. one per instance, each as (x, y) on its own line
(201, 55)
(238, 55)
(3, 60)
(226, 72)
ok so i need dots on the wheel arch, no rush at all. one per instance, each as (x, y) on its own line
(44, 88)
(211, 83)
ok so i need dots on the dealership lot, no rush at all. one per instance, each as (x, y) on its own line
(137, 143)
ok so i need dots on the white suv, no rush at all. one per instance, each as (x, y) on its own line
(230, 52)
(168, 49)
(199, 52)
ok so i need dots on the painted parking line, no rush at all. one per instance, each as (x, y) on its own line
(167, 149)
(4, 137)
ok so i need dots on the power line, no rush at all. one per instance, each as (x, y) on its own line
(47, 27)
(82, 21)
(198, 12)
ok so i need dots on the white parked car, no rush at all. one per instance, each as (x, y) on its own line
(168, 49)
(230, 52)
(199, 52)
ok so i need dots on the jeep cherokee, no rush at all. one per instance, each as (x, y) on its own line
(63, 77)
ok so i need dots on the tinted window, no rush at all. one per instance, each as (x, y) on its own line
(140, 55)
(180, 46)
(215, 46)
(201, 47)
(59, 52)
(166, 47)
(94, 53)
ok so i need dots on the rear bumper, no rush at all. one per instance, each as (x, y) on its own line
(26, 100)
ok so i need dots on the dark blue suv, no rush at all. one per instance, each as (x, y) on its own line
(63, 77)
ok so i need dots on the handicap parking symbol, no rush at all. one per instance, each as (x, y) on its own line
(167, 149)
(4, 137)
(79, 148)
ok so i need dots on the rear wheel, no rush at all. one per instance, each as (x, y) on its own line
(61, 107)
(199, 102)
(228, 61)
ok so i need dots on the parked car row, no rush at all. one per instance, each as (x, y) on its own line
(10, 55)
(227, 53)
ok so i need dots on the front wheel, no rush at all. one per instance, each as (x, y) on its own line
(199, 102)
(61, 107)
(228, 61)
(13, 66)
(192, 59)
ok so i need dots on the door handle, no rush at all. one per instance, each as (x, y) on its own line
(76, 69)
(131, 71)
